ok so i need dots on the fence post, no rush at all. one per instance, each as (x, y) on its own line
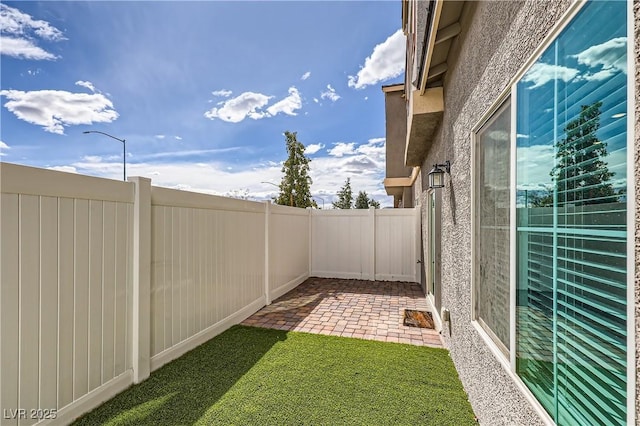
(141, 327)
(310, 259)
(372, 253)
(267, 213)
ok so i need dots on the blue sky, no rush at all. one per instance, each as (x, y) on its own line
(202, 91)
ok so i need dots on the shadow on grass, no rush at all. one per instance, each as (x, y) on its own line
(182, 391)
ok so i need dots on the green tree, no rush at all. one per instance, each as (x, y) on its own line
(535, 199)
(364, 202)
(345, 197)
(581, 175)
(295, 187)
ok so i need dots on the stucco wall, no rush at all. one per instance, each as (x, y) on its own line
(396, 132)
(497, 39)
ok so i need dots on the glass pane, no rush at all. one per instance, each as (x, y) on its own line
(492, 215)
(571, 221)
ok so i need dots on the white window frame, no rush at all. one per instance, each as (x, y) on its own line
(488, 335)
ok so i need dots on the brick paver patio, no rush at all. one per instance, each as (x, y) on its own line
(349, 308)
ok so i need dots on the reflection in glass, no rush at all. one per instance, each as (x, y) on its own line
(571, 221)
(491, 280)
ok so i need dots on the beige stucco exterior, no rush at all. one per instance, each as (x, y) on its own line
(398, 177)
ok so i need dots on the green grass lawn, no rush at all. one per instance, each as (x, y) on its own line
(256, 376)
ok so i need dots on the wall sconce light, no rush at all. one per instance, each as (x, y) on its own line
(436, 175)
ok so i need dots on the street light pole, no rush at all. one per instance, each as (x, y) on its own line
(124, 150)
(290, 195)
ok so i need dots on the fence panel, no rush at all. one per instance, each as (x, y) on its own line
(341, 242)
(288, 253)
(58, 261)
(365, 244)
(396, 255)
(207, 271)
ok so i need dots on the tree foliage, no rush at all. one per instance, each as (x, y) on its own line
(581, 175)
(345, 197)
(538, 200)
(364, 202)
(295, 187)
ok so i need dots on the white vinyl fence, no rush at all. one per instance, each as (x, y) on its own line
(289, 249)
(65, 292)
(366, 244)
(102, 282)
(208, 267)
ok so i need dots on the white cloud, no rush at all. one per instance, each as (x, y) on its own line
(342, 148)
(607, 58)
(66, 169)
(541, 73)
(210, 178)
(536, 162)
(370, 155)
(13, 21)
(534, 165)
(386, 61)
(600, 75)
(55, 109)
(365, 166)
(3, 147)
(23, 49)
(18, 31)
(251, 105)
(330, 94)
(92, 158)
(224, 93)
(185, 153)
(288, 105)
(313, 148)
(374, 149)
(306, 75)
(178, 138)
(316, 100)
(160, 136)
(86, 84)
(611, 56)
(247, 104)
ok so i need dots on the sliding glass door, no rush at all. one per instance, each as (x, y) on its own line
(571, 210)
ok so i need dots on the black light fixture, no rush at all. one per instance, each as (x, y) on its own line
(436, 175)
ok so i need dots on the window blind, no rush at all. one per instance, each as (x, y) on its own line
(571, 221)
